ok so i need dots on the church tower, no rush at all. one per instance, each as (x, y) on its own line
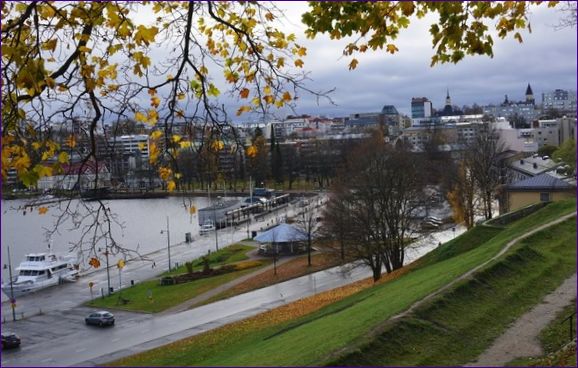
(529, 95)
(448, 99)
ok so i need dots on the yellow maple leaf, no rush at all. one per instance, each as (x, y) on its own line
(42, 210)
(145, 35)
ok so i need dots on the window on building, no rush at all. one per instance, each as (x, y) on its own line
(544, 197)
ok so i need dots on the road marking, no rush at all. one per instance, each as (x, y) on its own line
(80, 350)
(46, 360)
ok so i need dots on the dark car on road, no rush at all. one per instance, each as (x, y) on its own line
(101, 318)
(10, 340)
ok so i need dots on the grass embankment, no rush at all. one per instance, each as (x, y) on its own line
(460, 325)
(313, 337)
(555, 340)
(164, 297)
(286, 271)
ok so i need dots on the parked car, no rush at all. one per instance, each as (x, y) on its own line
(206, 228)
(10, 340)
(100, 318)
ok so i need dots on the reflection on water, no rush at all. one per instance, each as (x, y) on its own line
(142, 219)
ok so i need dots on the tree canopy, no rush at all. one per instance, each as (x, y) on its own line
(462, 27)
(96, 61)
(70, 69)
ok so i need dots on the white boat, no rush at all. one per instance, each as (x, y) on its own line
(41, 270)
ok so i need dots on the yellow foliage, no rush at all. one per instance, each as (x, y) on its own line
(165, 173)
(42, 210)
(139, 116)
(145, 35)
(63, 157)
(171, 186)
(252, 151)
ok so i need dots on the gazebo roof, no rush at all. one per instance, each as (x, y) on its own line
(283, 233)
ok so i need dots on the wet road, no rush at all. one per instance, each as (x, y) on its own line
(59, 338)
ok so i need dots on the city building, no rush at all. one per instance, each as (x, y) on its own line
(525, 111)
(536, 189)
(560, 100)
(421, 110)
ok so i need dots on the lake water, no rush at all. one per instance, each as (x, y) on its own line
(143, 220)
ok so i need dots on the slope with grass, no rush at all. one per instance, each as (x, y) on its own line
(346, 333)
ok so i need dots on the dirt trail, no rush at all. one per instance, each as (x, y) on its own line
(521, 339)
(429, 297)
(477, 268)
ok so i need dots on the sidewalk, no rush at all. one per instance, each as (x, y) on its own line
(211, 293)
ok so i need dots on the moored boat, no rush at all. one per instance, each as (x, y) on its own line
(39, 271)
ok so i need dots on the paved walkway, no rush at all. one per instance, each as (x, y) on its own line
(219, 289)
(521, 339)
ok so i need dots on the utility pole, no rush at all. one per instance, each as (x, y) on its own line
(168, 242)
(216, 227)
(214, 218)
(107, 268)
(12, 300)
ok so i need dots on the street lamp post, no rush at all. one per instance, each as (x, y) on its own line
(168, 242)
(216, 226)
(107, 269)
(12, 301)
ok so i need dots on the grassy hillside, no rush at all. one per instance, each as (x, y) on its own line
(457, 327)
(346, 332)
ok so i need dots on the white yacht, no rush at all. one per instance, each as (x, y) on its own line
(41, 270)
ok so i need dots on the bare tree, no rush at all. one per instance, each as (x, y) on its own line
(483, 161)
(307, 222)
(374, 204)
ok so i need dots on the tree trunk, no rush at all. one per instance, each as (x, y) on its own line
(376, 272)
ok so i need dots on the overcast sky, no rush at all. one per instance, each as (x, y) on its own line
(546, 60)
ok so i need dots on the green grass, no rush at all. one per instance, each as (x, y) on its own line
(457, 327)
(228, 255)
(319, 338)
(463, 243)
(164, 297)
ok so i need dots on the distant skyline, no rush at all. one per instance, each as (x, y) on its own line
(546, 59)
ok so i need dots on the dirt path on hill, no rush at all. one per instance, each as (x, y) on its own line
(429, 297)
(477, 268)
(521, 339)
